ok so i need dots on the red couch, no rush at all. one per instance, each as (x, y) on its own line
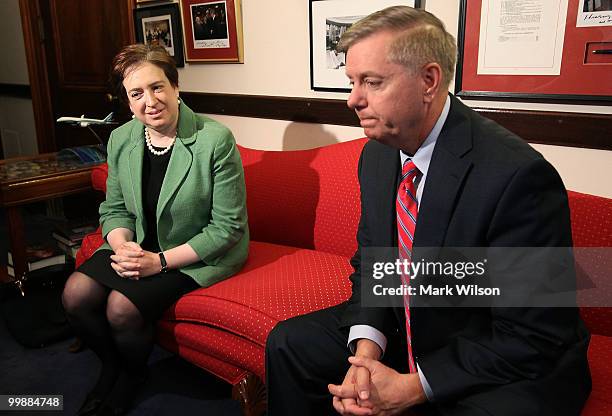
(303, 212)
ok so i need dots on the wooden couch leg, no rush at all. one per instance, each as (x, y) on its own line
(251, 393)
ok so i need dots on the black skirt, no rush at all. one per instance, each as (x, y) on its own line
(152, 295)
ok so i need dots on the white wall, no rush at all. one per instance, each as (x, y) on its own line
(18, 129)
(14, 68)
(16, 114)
(277, 62)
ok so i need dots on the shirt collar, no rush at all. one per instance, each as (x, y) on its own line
(422, 157)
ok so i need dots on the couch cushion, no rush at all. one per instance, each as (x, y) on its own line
(224, 354)
(276, 283)
(600, 362)
(304, 198)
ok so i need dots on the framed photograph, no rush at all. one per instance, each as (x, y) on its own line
(541, 50)
(161, 25)
(329, 19)
(213, 30)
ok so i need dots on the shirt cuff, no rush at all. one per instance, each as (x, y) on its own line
(368, 332)
(425, 384)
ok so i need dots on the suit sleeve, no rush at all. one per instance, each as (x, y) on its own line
(522, 342)
(113, 212)
(355, 314)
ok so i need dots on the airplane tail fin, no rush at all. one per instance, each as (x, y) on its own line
(109, 117)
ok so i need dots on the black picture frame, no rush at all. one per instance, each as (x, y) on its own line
(157, 17)
(322, 60)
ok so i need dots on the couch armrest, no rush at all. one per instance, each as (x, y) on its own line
(98, 177)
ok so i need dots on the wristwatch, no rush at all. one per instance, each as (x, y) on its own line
(162, 260)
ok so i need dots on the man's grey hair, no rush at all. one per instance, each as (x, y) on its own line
(421, 38)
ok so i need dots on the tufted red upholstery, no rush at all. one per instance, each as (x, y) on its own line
(303, 213)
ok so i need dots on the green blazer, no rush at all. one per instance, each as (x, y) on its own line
(202, 201)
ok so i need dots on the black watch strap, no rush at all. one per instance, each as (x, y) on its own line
(162, 260)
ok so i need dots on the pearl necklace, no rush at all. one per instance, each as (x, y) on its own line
(150, 146)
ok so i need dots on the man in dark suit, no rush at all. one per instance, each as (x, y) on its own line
(469, 183)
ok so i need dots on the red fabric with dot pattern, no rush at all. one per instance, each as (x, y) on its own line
(305, 198)
(238, 356)
(98, 177)
(592, 227)
(600, 362)
(276, 283)
(89, 244)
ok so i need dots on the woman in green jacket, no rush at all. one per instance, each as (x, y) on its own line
(174, 219)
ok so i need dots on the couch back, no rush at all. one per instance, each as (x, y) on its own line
(310, 199)
(592, 227)
(305, 198)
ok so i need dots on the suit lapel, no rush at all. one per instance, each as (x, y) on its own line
(178, 167)
(181, 158)
(447, 172)
(135, 166)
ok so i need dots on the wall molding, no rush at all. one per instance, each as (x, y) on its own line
(545, 127)
(16, 90)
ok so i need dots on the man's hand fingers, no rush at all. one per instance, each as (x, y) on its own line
(362, 380)
(352, 408)
(368, 363)
(345, 391)
(338, 406)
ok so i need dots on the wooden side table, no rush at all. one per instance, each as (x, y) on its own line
(25, 180)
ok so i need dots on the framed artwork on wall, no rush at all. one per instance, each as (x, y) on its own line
(329, 19)
(213, 30)
(161, 25)
(544, 50)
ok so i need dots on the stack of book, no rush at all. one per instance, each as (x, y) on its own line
(38, 257)
(69, 236)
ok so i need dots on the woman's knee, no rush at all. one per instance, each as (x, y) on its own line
(121, 313)
(81, 292)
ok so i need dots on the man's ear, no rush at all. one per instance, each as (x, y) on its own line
(431, 74)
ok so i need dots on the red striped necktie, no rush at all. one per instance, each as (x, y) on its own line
(407, 210)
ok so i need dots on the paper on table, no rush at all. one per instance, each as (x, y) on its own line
(521, 37)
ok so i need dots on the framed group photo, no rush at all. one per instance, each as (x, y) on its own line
(542, 50)
(161, 25)
(213, 30)
(329, 19)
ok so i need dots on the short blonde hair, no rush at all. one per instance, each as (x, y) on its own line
(421, 38)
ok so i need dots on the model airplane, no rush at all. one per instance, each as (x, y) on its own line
(86, 122)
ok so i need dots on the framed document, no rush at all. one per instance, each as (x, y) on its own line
(533, 50)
